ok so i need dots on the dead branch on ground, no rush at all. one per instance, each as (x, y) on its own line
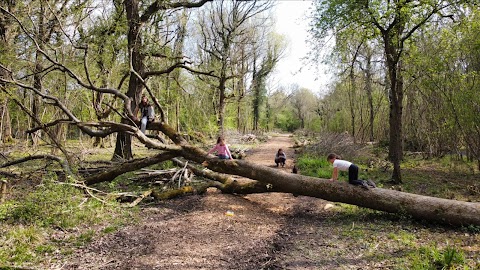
(63, 163)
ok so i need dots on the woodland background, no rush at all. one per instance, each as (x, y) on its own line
(411, 65)
(72, 73)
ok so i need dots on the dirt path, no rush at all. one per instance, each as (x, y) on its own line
(196, 233)
(264, 154)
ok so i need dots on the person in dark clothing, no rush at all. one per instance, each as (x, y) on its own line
(280, 157)
(146, 113)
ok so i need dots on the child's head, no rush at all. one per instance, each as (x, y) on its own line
(331, 157)
(220, 140)
(280, 150)
(144, 99)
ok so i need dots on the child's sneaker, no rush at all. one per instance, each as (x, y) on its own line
(371, 183)
(364, 185)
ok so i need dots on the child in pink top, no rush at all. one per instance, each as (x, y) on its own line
(222, 149)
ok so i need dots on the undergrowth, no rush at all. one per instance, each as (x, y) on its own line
(31, 224)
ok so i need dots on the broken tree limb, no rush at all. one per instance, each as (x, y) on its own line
(418, 206)
(172, 193)
(146, 174)
(9, 174)
(227, 184)
(3, 190)
(128, 167)
(222, 178)
(63, 163)
(139, 199)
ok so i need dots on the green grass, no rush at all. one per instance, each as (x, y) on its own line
(316, 167)
(432, 258)
(29, 224)
(397, 240)
(53, 204)
(321, 168)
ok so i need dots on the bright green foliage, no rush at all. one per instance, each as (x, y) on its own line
(19, 245)
(432, 258)
(53, 204)
(316, 167)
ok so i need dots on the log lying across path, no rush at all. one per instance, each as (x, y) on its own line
(269, 179)
(418, 206)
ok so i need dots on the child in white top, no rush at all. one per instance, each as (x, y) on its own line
(343, 165)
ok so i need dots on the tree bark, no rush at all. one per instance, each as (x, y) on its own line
(417, 206)
(127, 167)
(3, 190)
(123, 146)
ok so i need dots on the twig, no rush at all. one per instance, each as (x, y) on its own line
(3, 190)
(139, 199)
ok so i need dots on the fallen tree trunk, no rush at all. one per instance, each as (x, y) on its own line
(128, 167)
(418, 206)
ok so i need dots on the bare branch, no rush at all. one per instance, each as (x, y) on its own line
(69, 72)
(128, 167)
(63, 163)
(51, 124)
(164, 5)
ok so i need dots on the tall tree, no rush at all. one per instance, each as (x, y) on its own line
(137, 18)
(223, 27)
(274, 50)
(395, 22)
(304, 102)
(7, 34)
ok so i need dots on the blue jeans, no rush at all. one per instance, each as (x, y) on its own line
(143, 124)
(223, 157)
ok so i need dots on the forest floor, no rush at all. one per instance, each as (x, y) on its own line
(263, 231)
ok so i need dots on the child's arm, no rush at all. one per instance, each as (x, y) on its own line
(211, 150)
(228, 151)
(334, 174)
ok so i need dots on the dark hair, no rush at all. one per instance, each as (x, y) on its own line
(332, 156)
(220, 139)
(280, 150)
(141, 100)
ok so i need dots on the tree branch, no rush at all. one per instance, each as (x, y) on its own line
(128, 167)
(63, 163)
(164, 5)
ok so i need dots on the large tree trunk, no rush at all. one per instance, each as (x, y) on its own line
(6, 124)
(420, 207)
(395, 121)
(395, 147)
(368, 88)
(221, 104)
(352, 98)
(123, 146)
